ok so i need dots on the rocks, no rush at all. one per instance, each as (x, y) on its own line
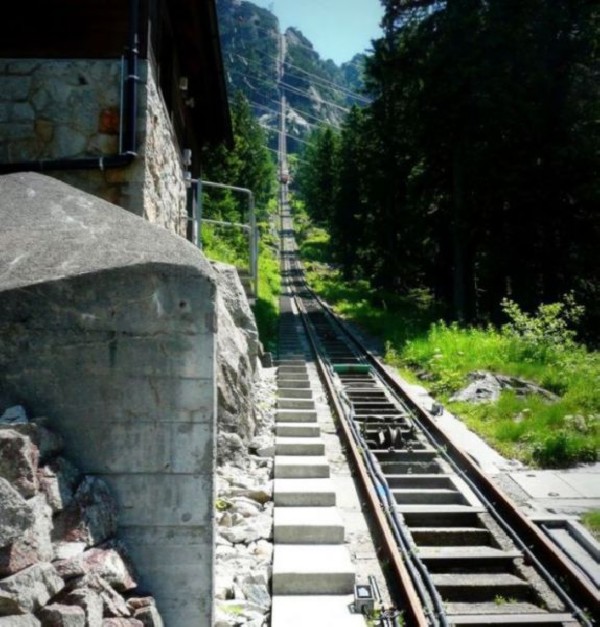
(16, 415)
(263, 445)
(47, 442)
(26, 620)
(149, 616)
(34, 545)
(260, 528)
(230, 449)
(91, 517)
(231, 290)
(16, 516)
(94, 585)
(89, 601)
(32, 587)
(68, 550)
(245, 524)
(58, 480)
(18, 461)
(237, 350)
(59, 560)
(485, 387)
(63, 615)
(105, 562)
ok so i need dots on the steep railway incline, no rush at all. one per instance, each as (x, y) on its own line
(313, 575)
(456, 552)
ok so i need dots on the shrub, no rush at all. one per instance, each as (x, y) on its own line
(544, 335)
(561, 449)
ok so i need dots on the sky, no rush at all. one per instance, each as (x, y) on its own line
(338, 29)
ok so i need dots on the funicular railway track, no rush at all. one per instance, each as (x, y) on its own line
(456, 550)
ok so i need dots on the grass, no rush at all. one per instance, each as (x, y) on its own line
(532, 429)
(266, 309)
(537, 348)
(591, 521)
(231, 247)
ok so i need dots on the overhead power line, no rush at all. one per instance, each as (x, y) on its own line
(292, 88)
(288, 135)
(299, 92)
(296, 157)
(302, 114)
(276, 112)
(358, 64)
(317, 77)
(326, 82)
(310, 48)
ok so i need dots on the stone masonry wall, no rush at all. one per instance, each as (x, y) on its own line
(163, 185)
(52, 109)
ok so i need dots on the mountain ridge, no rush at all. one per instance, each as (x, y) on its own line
(317, 91)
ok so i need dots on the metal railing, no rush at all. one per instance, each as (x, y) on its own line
(251, 227)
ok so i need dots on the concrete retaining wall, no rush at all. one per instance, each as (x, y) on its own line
(107, 326)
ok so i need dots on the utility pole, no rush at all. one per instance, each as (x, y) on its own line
(283, 165)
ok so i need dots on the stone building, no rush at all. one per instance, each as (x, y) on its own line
(115, 97)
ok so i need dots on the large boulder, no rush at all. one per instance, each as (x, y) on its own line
(236, 303)
(48, 443)
(16, 516)
(32, 587)
(237, 346)
(19, 459)
(63, 615)
(34, 544)
(91, 517)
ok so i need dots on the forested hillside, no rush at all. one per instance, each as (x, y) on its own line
(317, 90)
(475, 172)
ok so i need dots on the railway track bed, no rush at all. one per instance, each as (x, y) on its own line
(455, 552)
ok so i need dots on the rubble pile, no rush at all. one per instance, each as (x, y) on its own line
(60, 561)
(244, 516)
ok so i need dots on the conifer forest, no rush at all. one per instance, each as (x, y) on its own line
(474, 172)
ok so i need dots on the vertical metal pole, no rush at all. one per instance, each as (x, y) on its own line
(253, 232)
(194, 200)
(253, 242)
(198, 221)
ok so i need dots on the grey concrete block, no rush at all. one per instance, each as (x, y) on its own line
(162, 499)
(107, 326)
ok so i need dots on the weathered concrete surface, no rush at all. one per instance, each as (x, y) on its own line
(107, 326)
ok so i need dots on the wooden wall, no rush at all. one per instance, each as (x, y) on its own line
(65, 29)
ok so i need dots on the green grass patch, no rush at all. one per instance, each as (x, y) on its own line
(229, 246)
(226, 244)
(266, 309)
(391, 317)
(315, 248)
(539, 348)
(532, 429)
(591, 521)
